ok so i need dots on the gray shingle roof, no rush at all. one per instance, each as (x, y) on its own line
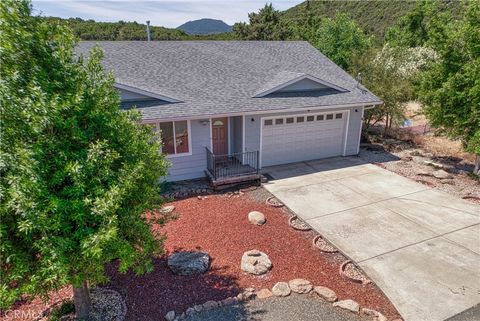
(221, 77)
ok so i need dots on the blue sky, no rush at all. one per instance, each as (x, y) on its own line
(168, 13)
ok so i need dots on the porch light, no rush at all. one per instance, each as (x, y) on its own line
(204, 122)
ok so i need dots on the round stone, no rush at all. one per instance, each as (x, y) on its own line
(325, 293)
(170, 316)
(281, 289)
(264, 294)
(256, 218)
(188, 263)
(255, 262)
(300, 286)
(349, 305)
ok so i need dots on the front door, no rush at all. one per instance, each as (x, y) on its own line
(220, 136)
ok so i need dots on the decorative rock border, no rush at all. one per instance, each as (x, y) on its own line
(296, 223)
(363, 280)
(324, 246)
(250, 293)
(272, 201)
(184, 192)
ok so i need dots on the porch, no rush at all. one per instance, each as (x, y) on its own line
(232, 168)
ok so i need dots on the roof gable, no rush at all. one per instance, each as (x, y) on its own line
(129, 93)
(291, 82)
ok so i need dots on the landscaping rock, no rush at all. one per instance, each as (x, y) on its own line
(281, 289)
(378, 316)
(256, 218)
(325, 293)
(229, 301)
(300, 286)
(433, 164)
(188, 263)
(190, 312)
(264, 294)
(441, 174)
(349, 305)
(255, 262)
(198, 307)
(210, 305)
(170, 316)
(167, 209)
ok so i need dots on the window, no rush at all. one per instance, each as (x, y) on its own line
(300, 119)
(338, 116)
(268, 122)
(174, 137)
(279, 121)
(290, 120)
(329, 116)
(319, 117)
(310, 118)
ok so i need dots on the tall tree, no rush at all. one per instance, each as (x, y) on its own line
(450, 88)
(77, 173)
(264, 25)
(340, 39)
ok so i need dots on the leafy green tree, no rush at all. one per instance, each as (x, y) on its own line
(340, 39)
(306, 27)
(264, 25)
(382, 72)
(77, 174)
(450, 87)
(412, 29)
(417, 27)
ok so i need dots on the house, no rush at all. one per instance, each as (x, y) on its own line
(230, 108)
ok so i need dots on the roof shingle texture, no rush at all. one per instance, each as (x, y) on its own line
(221, 77)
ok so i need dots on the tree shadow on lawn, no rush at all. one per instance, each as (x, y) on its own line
(152, 295)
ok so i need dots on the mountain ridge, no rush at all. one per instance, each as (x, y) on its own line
(205, 26)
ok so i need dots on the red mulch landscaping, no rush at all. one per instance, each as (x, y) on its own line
(219, 226)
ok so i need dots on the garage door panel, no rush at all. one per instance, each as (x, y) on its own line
(286, 143)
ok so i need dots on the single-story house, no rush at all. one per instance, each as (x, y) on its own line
(225, 108)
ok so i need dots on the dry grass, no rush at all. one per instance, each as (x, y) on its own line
(437, 145)
(433, 143)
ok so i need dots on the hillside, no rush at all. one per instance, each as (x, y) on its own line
(205, 27)
(375, 17)
(93, 30)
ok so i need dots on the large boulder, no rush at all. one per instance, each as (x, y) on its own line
(188, 263)
(255, 262)
(256, 218)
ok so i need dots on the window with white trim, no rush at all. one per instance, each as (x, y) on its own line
(175, 137)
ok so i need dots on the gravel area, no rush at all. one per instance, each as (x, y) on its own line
(219, 226)
(292, 308)
(107, 305)
(403, 159)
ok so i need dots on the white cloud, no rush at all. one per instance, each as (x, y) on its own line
(168, 13)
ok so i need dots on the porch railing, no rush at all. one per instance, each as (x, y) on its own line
(232, 165)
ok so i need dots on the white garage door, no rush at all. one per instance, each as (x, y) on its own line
(289, 139)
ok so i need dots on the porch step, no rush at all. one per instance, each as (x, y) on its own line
(224, 181)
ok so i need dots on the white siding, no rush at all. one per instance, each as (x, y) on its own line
(192, 166)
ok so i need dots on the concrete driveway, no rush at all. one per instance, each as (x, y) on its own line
(419, 245)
